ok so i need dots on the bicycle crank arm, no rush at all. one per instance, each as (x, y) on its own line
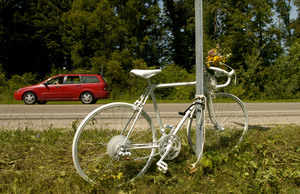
(162, 166)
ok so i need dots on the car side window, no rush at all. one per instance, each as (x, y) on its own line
(73, 80)
(56, 80)
(90, 79)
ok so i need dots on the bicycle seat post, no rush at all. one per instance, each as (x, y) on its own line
(152, 86)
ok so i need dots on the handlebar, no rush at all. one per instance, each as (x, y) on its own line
(146, 74)
(221, 72)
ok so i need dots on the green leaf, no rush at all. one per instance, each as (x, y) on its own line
(207, 163)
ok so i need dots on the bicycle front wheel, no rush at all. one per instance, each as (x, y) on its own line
(114, 144)
(229, 119)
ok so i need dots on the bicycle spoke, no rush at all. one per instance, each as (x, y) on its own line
(98, 158)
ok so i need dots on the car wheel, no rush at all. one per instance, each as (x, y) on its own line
(87, 98)
(41, 102)
(29, 98)
(94, 102)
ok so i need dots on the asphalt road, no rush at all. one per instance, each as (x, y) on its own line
(49, 116)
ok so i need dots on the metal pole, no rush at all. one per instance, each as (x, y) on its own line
(199, 70)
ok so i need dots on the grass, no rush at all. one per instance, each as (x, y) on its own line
(266, 162)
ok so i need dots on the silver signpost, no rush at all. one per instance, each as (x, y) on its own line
(199, 73)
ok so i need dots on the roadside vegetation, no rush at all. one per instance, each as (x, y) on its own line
(114, 37)
(266, 162)
(135, 87)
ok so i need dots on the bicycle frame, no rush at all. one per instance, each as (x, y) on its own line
(150, 92)
(140, 103)
(139, 106)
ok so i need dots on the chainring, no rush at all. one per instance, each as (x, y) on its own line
(172, 140)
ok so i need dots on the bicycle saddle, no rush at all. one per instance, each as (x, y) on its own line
(145, 73)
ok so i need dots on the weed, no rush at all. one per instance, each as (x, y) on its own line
(266, 162)
(75, 124)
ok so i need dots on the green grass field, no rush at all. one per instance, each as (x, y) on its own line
(266, 162)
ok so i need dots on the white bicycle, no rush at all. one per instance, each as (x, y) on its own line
(117, 142)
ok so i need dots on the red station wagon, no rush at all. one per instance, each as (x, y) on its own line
(87, 88)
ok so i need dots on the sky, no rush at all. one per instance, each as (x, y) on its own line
(294, 11)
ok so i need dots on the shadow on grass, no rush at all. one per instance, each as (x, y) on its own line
(258, 127)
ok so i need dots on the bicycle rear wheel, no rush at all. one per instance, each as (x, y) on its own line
(99, 153)
(226, 123)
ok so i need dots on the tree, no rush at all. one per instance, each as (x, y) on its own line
(286, 82)
(30, 38)
(249, 34)
(146, 36)
(117, 36)
(180, 22)
(283, 9)
(295, 24)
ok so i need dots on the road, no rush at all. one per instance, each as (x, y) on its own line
(49, 116)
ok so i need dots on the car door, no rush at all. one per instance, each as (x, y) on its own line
(72, 87)
(52, 89)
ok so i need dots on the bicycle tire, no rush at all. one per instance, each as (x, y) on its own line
(226, 123)
(93, 144)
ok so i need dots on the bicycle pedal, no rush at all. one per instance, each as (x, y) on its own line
(162, 166)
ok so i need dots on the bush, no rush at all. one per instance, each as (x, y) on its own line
(284, 80)
(9, 86)
(174, 74)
